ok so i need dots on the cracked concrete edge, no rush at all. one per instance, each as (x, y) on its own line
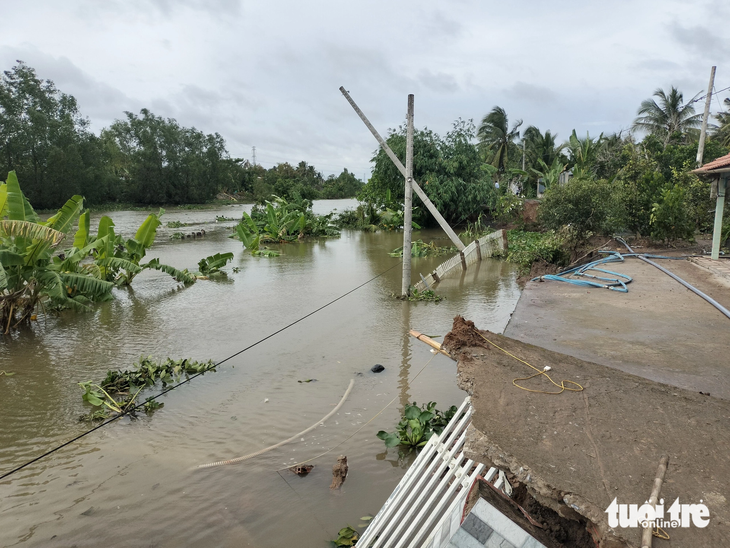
(479, 448)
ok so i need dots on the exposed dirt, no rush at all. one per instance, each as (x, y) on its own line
(577, 451)
(544, 524)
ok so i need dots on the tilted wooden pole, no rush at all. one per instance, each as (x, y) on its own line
(703, 131)
(408, 203)
(417, 189)
(429, 341)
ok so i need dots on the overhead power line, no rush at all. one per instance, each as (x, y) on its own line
(188, 379)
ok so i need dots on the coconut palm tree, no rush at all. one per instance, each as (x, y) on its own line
(722, 133)
(667, 116)
(583, 153)
(539, 146)
(496, 138)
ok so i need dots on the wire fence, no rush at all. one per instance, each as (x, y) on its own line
(486, 246)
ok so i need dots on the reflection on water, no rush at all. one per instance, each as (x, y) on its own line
(134, 482)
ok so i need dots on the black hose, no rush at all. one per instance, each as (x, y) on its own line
(692, 288)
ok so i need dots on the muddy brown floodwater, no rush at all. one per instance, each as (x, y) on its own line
(134, 483)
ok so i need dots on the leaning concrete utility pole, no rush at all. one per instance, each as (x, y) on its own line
(416, 188)
(408, 202)
(703, 132)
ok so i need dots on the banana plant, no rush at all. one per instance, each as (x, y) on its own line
(119, 260)
(29, 275)
(248, 232)
(210, 266)
(282, 224)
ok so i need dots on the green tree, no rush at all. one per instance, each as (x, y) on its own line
(46, 141)
(163, 162)
(449, 169)
(539, 146)
(583, 154)
(589, 206)
(496, 138)
(550, 174)
(345, 185)
(667, 116)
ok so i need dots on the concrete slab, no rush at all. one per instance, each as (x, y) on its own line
(720, 268)
(658, 330)
(577, 451)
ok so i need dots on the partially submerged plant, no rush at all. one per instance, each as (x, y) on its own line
(347, 536)
(428, 295)
(418, 425)
(280, 221)
(119, 389)
(211, 266)
(421, 249)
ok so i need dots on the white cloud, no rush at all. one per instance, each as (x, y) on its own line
(267, 73)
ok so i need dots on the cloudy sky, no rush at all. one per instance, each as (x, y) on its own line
(267, 73)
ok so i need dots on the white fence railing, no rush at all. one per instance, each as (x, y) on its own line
(435, 486)
(486, 246)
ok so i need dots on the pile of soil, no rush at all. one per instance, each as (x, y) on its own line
(463, 334)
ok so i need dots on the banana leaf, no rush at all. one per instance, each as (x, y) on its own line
(115, 264)
(64, 219)
(147, 230)
(214, 263)
(27, 230)
(106, 230)
(248, 233)
(15, 199)
(90, 287)
(3, 200)
(82, 233)
(3, 278)
(8, 258)
(182, 276)
(53, 285)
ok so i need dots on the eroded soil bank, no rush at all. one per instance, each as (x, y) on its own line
(576, 451)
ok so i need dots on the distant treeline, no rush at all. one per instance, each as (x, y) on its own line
(141, 159)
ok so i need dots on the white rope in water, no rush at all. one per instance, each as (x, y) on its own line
(262, 451)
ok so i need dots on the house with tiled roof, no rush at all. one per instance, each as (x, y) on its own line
(718, 171)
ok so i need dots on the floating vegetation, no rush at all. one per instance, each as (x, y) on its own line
(421, 249)
(429, 295)
(223, 218)
(418, 425)
(347, 536)
(118, 392)
(177, 236)
(176, 224)
(211, 266)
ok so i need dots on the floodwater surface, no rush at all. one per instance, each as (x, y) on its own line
(135, 483)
